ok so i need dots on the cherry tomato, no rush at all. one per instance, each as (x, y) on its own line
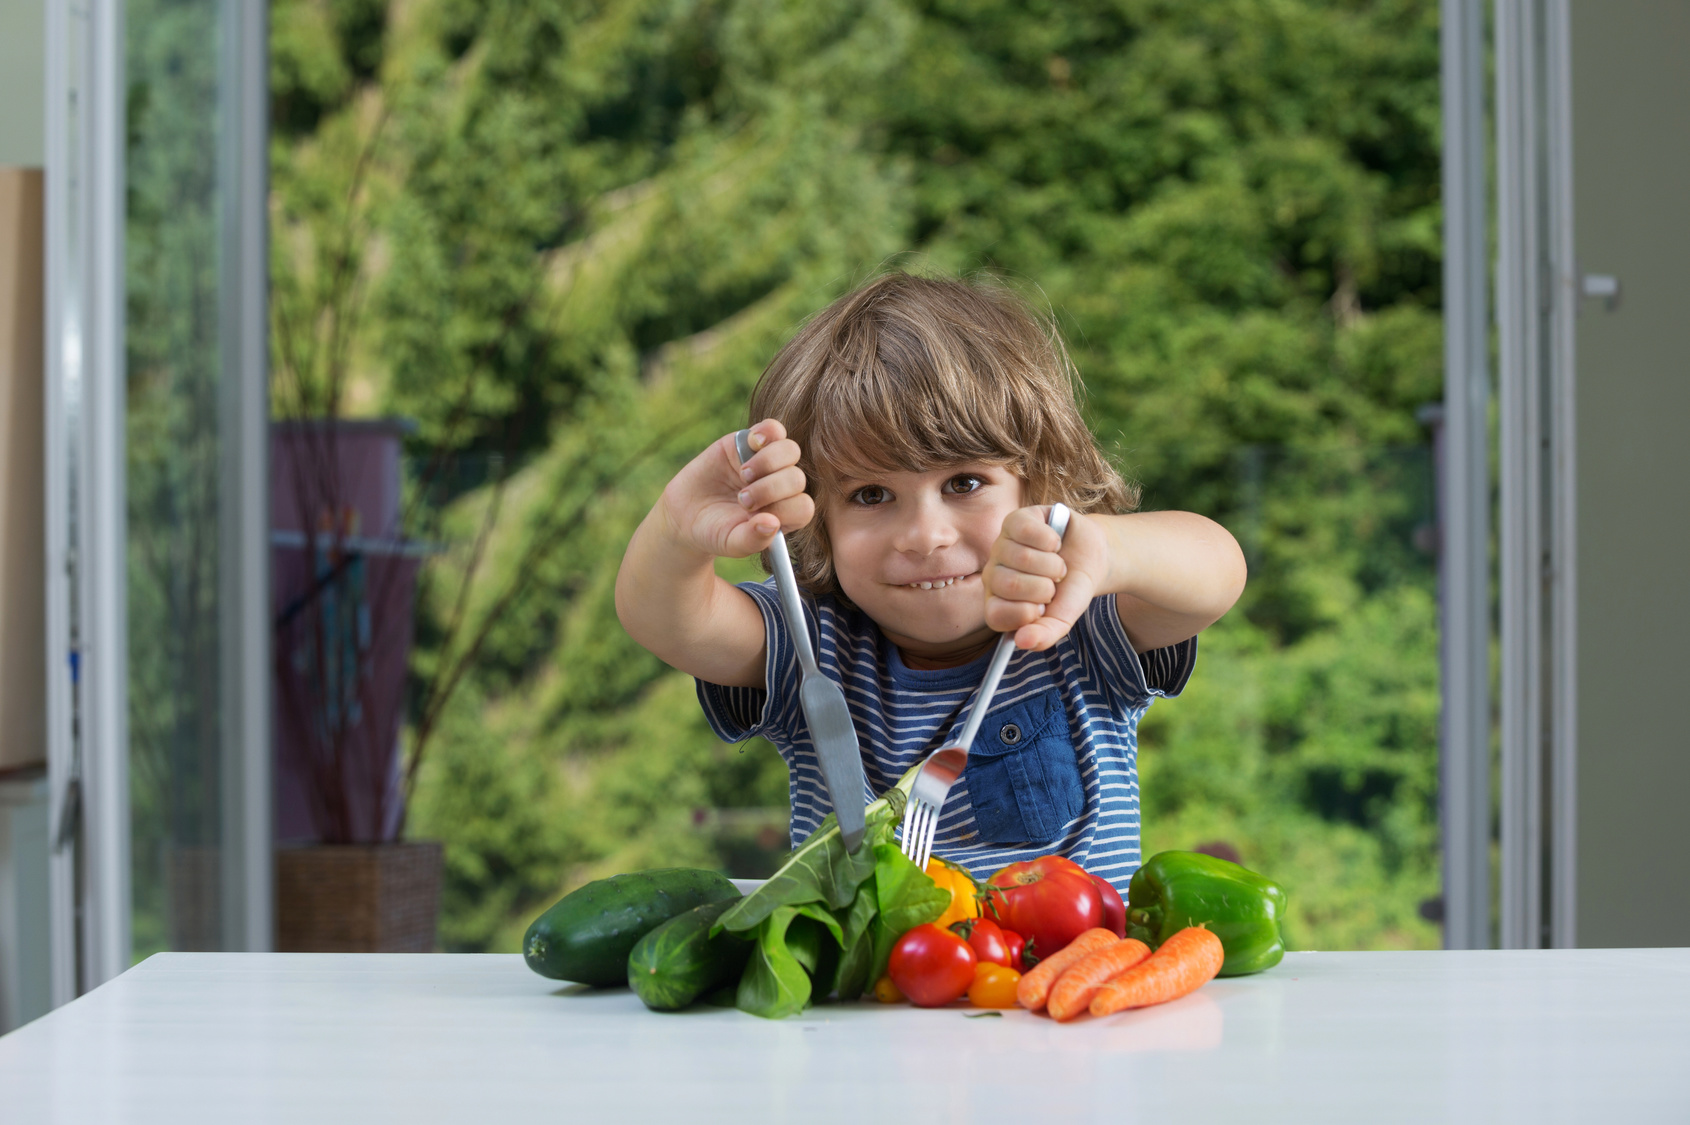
(994, 986)
(1017, 951)
(931, 966)
(1114, 910)
(1049, 901)
(986, 939)
(886, 992)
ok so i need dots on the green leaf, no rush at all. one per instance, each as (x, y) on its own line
(818, 913)
(851, 978)
(861, 916)
(805, 941)
(816, 947)
(906, 896)
(821, 870)
(775, 984)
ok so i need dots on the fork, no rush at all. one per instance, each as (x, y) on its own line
(942, 767)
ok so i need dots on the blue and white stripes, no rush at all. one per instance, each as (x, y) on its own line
(1053, 770)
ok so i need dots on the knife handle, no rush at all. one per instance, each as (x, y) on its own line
(786, 582)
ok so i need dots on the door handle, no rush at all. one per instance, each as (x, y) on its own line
(1603, 285)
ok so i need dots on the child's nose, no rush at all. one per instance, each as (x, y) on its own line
(926, 529)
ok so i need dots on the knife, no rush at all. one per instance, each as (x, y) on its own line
(823, 701)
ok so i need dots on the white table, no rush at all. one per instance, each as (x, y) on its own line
(1586, 1035)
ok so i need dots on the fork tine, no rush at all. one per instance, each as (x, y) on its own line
(918, 831)
(911, 813)
(924, 843)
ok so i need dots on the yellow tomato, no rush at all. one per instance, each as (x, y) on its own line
(965, 892)
(994, 986)
(886, 992)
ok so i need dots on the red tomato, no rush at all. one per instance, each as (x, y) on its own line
(985, 938)
(1017, 951)
(931, 966)
(1114, 910)
(1050, 901)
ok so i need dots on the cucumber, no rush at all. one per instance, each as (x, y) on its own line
(588, 933)
(679, 961)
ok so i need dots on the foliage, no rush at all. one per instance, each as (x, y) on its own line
(591, 222)
(1316, 761)
(831, 917)
(173, 468)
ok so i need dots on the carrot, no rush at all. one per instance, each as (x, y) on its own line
(1075, 988)
(1036, 984)
(1185, 962)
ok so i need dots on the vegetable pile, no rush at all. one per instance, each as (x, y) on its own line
(825, 924)
(833, 925)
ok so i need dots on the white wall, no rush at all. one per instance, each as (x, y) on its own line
(23, 81)
(1631, 159)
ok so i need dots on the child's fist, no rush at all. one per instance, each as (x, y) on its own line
(723, 508)
(1037, 582)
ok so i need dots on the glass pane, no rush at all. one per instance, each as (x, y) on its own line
(1306, 744)
(578, 232)
(175, 184)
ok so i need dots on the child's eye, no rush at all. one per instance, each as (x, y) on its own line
(966, 482)
(869, 495)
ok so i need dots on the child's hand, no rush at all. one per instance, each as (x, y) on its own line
(723, 509)
(1038, 583)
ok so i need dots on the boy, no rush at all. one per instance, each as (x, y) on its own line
(909, 440)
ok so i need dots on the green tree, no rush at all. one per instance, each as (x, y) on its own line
(173, 469)
(591, 224)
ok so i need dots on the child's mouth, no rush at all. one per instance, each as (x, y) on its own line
(936, 583)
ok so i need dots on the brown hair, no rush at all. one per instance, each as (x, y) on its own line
(914, 374)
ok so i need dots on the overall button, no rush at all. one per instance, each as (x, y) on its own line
(1010, 734)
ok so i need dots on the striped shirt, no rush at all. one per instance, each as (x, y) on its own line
(1054, 768)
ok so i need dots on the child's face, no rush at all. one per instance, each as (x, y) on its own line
(893, 532)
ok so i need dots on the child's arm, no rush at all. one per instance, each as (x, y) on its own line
(668, 596)
(1173, 573)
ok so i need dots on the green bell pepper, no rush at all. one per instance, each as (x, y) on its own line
(1174, 890)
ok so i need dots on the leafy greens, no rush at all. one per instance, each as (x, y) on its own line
(825, 923)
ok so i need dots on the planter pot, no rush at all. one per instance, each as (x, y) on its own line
(358, 898)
